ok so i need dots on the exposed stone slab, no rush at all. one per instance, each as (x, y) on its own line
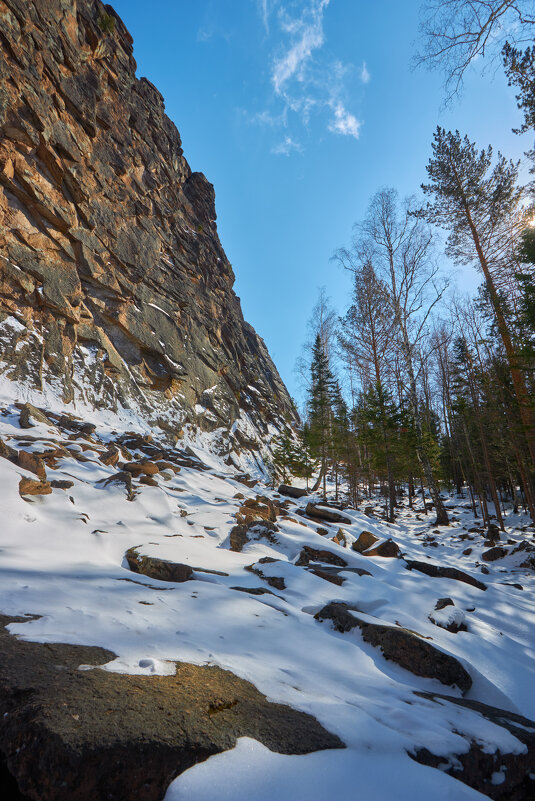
(407, 649)
(73, 735)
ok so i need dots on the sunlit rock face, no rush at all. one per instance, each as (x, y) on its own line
(114, 286)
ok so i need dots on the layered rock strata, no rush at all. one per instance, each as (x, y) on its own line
(114, 286)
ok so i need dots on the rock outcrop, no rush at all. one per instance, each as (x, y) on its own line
(114, 285)
(406, 648)
(67, 733)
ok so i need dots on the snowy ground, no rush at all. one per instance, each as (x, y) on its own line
(62, 558)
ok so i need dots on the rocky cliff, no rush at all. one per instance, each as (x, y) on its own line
(114, 287)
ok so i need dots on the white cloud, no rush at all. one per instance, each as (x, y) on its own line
(344, 122)
(286, 147)
(308, 36)
(308, 83)
(264, 13)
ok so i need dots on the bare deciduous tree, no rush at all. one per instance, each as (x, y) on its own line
(454, 33)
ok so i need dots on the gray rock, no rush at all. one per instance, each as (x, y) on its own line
(407, 649)
(437, 571)
(477, 766)
(155, 568)
(73, 735)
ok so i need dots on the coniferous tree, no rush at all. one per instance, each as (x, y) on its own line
(320, 408)
(479, 205)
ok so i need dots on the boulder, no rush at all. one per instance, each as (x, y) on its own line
(364, 541)
(498, 552)
(340, 538)
(388, 548)
(291, 492)
(496, 774)
(7, 452)
(63, 484)
(321, 512)
(309, 554)
(447, 616)
(110, 457)
(73, 735)
(406, 648)
(141, 468)
(122, 478)
(243, 533)
(30, 486)
(437, 571)
(32, 462)
(30, 415)
(155, 568)
(260, 508)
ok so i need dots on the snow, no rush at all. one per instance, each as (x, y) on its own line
(62, 558)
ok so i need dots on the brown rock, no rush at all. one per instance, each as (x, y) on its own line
(32, 462)
(30, 415)
(148, 480)
(110, 457)
(333, 578)
(7, 452)
(340, 537)
(274, 581)
(155, 568)
(30, 486)
(387, 548)
(122, 477)
(365, 540)
(62, 484)
(243, 533)
(255, 509)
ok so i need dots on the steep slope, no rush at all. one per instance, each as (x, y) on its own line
(164, 619)
(114, 287)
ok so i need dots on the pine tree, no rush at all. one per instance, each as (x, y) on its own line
(283, 455)
(320, 408)
(479, 206)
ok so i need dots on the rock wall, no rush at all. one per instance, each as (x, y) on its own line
(114, 286)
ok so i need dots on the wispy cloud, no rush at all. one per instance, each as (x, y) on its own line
(307, 82)
(286, 147)
(307, 34)
(264, 7)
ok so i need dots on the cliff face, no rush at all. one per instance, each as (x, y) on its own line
(114, 286)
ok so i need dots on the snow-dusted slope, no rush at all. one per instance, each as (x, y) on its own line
(62, 558)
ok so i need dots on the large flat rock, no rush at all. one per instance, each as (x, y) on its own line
(73, 735)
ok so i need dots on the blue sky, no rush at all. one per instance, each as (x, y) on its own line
(298, 111)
